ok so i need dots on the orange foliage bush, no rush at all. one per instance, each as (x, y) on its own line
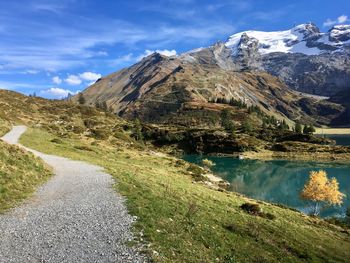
(320, 189)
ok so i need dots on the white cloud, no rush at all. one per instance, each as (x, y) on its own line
(122, 59)
(53, 46)
(19, 85)
(144, 54)
(89, 76)
(48, 8)
(73, 80)
(56, 93)
(164, 52)
(31, 71)
(26, 41)
(57, 80)
(102, 53)
(329, 22)
(340, 19)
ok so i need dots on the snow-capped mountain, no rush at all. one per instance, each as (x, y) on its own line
(303, 57)
(306, 39)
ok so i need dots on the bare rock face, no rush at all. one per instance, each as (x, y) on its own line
(308, 31)
(302, 57)
(305, 59)
(325, 74)
(247, 55)
(339, 34)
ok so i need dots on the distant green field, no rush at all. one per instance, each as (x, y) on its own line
(332, 131)
(184, 221)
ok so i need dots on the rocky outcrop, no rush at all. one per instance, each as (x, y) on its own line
(325, 74)
(339, 34)
(305, 59)
(247, 56)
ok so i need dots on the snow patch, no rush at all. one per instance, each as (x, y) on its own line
(291, 41)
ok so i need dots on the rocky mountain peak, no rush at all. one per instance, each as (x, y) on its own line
(247, 53)
(247, 42)
(340, 33)
(305, 39)
(154, 58)
(307, 30)
(302, 57)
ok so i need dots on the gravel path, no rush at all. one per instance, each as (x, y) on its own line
(75, 217)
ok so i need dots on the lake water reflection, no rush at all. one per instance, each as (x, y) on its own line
(277, 181)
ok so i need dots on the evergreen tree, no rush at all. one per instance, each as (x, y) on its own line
(284, 126)
(247, 126)
(81, 99)
(264, 124)
(138, 130)
(226, 121)
(309, 129)
(312, 129)
(298, 128)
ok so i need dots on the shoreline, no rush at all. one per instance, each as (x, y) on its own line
(341, 158)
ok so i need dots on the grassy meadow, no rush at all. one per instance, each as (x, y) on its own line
(20, 174)
(180, 220)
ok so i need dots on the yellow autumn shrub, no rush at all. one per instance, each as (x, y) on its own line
(320, 189)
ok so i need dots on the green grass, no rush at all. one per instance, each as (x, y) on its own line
(182, 221)
(4, 127)
(20, 173)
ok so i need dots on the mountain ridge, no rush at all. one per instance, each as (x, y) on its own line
(323, 73)
(167, 84)
(304, 38)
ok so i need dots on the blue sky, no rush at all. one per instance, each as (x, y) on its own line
(52, 47)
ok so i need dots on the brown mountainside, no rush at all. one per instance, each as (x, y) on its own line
(159, 88)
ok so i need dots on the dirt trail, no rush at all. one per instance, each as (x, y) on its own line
(76, 217)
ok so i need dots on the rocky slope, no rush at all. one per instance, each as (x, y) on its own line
(159, 88)
(162, 89)
(302, 57)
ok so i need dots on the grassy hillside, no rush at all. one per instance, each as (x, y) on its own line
(179, 219)
(4, 127)
(64, 118)
(160, 89)
(20, 173)
(184, 221)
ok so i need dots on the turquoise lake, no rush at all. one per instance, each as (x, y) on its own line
(340, 139)
(277, 181)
